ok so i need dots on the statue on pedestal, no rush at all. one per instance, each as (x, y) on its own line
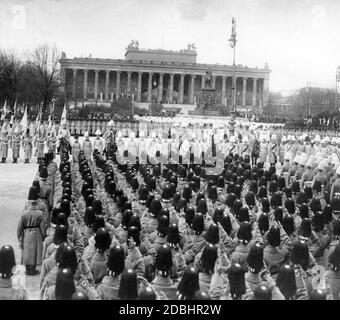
(134, 44)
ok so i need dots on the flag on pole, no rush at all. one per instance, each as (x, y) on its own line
(38, 119)
(4, 110)
(63, 119)
(23, 122)
(15, 107)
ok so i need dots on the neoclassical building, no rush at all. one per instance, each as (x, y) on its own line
(170, 77)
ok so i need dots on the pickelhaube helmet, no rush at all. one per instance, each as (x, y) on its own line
(134, 221)
(212, 193)
(166, 194)
(255, 258)
(273, 236)
(318, 294)
(327, 213)
(230, 200)
(273, 186)
(303, 211)
(300, 253)
(281, 183)
(335, 204)
(226, 224)
(189, 215)
(236, 281)
(276, 200)
(186, 193)
(163, 225)
(305, 229)
(290, 206)
(198, 224)
(155, 207)
(202, 206)
(7, 261)
(164, 261)
(288, 224)
(173, 238)
(134, 234)
(315, 205)
(263, 223)
(212, 234)
(296, 187)
(33, 194)
(99, 222)
(278, 214)
(244, 232)
(262, 292)
(249, 198)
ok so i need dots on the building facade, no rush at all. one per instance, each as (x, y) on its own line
(146, 76)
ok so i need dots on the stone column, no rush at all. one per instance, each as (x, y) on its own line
(192, 88)
(150, 87)
(254, 91)
(96, 84)
(265, 92)
(128, 86)
(244, 92)
(139, 87)
(181, 92)
(214, 82)
(85, 84)
(223, 89)
(74, 84)
(118, 85)
(107, 80)
(203, 81)
(171, 88)
(160, 87)
(63, 75)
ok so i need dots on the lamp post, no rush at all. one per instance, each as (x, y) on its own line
(232, 43)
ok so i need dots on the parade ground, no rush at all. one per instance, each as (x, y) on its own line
(15, 181)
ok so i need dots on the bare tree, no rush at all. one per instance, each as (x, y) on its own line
(45, 69)
(10, 66)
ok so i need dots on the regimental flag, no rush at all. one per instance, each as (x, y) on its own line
(63, 119)
(15, 107)
(38, 119)
(24, 121)
(4, 110)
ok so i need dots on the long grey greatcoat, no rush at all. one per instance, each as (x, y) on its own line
(31, 232)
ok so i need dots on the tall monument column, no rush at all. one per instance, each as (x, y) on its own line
(254, 91)
(107, 79)
(244, 92)
(74, 84)
(192, 88)
(96, 73)
(203, 81)
(118, 85)
(160, 87)
(139, 87)
(85, 84)
(181, 92)
(223, 89)
(128, 86)
(171, 88)
(150, 87)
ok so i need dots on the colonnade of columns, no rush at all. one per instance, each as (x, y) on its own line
(258, 93)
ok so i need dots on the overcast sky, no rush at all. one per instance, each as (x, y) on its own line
(300, 40)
